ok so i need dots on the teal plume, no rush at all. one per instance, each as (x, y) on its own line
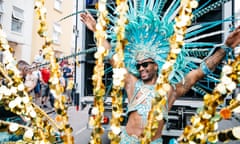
(150, 26)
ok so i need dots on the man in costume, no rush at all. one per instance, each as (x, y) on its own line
(140, 79)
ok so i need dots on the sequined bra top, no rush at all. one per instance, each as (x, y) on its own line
(143, 103)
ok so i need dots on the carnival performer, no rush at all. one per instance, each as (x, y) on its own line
(139, 84)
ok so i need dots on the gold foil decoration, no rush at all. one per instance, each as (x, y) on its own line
(208, 115)
(176, 42)
(62, 117)
(119, 72)
(98, 86)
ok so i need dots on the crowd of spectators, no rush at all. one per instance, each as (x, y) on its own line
(36, 79)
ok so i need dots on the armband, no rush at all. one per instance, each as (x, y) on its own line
(205, 68)
(110, 55)
(227, 49)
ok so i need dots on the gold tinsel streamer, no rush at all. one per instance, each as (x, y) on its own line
(119, 72)
(56, 88)
(183, 20)
(224, 135)
(204, 125)
(15, 98)
(98, 86)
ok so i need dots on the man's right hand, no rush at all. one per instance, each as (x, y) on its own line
(88, 20)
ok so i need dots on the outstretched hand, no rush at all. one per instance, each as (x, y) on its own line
(88, 20)
(234, 38)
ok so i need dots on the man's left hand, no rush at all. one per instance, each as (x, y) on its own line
(234, 38)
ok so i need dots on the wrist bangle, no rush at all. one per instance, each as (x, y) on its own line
(110, 55)
(205, 68)
(226, 49)
(228, 52)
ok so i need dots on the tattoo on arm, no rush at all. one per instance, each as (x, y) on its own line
(215, 59)
(183, 87)
(190, 80)
(186, 84)
(196, 75)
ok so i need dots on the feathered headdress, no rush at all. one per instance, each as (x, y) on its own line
(149, 29)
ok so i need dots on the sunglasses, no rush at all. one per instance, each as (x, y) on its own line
(144, 64)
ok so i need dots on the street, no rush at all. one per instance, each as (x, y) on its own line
(78, 120)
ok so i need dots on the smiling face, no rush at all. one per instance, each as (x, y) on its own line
(148, 70)
(22, 67)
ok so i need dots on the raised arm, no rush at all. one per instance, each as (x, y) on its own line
(210, 64)
(90, 22)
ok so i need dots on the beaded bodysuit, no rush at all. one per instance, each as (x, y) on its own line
(142, 105)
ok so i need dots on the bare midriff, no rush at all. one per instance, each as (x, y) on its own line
(135, 126)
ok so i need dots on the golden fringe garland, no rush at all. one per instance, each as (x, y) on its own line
(56, 88)
(162, 87)
(119, 72)
(98, 86)
(15, 98)
(205, 124)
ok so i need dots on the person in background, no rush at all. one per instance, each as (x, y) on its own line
(62, 80)
(30, 80)
(39, 57)
(67, 72)
(37, 89)
(23, 67)
(45, 90)
(69, 90)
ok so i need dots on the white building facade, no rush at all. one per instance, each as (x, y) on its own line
(16, 17)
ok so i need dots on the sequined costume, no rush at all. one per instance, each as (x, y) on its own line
(142, 105)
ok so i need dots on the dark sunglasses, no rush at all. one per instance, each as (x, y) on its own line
(144, 64)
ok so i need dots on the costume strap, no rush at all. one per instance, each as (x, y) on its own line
(205, 68)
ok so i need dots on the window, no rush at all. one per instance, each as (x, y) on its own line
(56, 33)
(58, 4)
(17, 20)
(1, 7)
(1, 11)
